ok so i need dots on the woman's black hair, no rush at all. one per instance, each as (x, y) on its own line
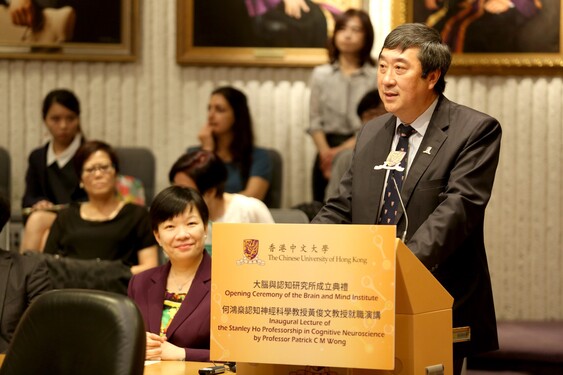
(173, 201)
(87, 149)
(243, 136)
(205, 168)
(64, 97)
(341, 20)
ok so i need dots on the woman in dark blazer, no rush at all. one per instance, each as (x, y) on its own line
(174, 299)
(50, 180)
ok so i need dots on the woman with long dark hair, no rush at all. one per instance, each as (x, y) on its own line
(228, 132)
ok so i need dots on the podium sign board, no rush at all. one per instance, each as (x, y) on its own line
(321, 295)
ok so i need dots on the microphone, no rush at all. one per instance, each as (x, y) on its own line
(402, 206)
(393, 163)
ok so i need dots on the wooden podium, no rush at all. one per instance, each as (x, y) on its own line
(423, 327)
(423, 324)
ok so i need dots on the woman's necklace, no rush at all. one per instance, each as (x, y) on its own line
(180, 286)
(90, 212)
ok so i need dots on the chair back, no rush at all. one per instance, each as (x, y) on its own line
(139, 162)
(273, 197)
(72, 273)
(289, 215)
(75, 331)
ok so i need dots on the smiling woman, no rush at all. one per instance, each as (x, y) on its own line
(174, 299)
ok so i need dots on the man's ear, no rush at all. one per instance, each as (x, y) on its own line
(433, 78)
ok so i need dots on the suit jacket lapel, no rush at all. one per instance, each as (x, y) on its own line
(156, 293)
(435, 137)
(201, 286)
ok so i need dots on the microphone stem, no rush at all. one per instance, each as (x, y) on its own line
(404, 236)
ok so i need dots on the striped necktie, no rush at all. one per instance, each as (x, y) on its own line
(391, 202)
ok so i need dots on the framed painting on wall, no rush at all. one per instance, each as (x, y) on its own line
(493, 36)
(257, 32)
(85, 30)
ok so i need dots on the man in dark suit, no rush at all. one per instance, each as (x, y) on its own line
(451, 153)
(22, 279)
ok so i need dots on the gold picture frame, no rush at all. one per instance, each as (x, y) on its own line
(535, 48)
(88, 30)
(192, 49)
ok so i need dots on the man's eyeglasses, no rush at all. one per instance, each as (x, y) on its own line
(103, 168)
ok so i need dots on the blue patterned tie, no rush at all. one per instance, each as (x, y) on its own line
(391, 202)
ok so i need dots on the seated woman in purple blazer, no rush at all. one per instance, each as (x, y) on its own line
(174, 299)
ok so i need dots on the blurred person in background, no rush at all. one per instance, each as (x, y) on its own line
(205, 172)
(229, 134)
(336, 89)
(51, 181)
(104, 227)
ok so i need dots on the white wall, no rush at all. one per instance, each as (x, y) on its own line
(158, 104)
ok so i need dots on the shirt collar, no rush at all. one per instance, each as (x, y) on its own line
(422, 121)
(64, 157)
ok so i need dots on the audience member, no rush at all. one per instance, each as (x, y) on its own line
(22, 279)
(336, 89)
(51, 181)
(228, 132)
(204, 171)
(369, 107)
(104, 227)
(174, 298)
